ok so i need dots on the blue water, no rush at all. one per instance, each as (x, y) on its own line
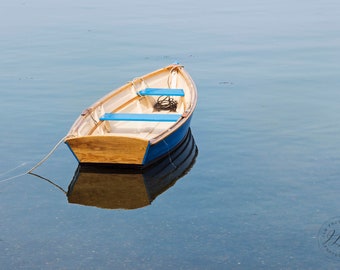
(267, 127)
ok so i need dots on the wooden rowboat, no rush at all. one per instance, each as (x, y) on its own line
(138, 123)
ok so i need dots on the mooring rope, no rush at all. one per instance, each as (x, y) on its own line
(34, 167)
(47, 156)
(13, 177)
(13, 169)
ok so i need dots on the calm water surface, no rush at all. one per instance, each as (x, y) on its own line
(267, 127)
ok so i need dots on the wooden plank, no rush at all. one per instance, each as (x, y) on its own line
(151, 117)
(162, 92)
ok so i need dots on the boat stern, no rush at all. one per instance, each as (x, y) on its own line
(108, 149)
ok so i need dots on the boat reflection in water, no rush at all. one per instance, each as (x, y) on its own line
(114, 188)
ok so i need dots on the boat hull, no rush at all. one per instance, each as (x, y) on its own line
(125, 151)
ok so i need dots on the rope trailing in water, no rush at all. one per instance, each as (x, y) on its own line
(13, 169)
(13, 177)
(34, 167)
(47, 156)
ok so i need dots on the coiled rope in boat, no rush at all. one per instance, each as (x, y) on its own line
(165, 103)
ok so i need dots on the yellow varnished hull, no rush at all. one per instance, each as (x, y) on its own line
(108, 149)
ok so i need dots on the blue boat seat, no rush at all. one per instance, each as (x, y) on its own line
(162, 92)
(151, 117)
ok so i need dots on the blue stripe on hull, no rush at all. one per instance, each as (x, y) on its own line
(156, 151)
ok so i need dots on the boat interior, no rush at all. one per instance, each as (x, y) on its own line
(143, 108)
